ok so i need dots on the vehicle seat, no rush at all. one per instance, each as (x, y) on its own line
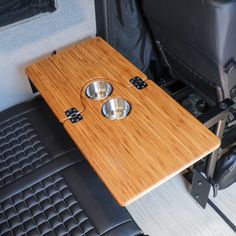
(198, 38)
(46, 186)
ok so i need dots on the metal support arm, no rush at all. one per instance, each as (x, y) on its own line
(217, 113)
(216, 116)
(201, 183)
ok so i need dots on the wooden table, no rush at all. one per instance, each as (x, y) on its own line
(132, 156)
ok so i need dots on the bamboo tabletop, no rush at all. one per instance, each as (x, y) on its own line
(157, 140)
(61, 77)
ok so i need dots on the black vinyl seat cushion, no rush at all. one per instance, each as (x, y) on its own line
(47, 187)
(46, 207)
(30, 136)
(63, 199)
(21, 149)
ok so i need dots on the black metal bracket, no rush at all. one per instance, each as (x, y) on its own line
(200, 188)
(73, 115)
(138, 82)
(34, 90)
(201, 183)
(54, 53)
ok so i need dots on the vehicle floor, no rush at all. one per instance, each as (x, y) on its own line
(169, 210)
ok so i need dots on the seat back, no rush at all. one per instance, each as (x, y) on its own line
(199, 40)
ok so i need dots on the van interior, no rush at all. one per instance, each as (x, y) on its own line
(118, 118)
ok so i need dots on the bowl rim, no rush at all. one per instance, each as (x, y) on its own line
(110, 118)
(95, 81)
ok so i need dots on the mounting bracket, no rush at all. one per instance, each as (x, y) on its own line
(138, 82)
(200, 188)
(73, 115)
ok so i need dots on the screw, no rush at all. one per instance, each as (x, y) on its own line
(223, 105)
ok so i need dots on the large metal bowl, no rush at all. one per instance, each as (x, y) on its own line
(116, 109)
(98, 90)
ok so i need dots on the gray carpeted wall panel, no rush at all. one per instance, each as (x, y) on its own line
(26, 41)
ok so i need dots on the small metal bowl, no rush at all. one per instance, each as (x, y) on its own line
(116, 109)
(98, 90)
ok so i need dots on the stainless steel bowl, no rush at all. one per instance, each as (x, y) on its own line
(116, 109)
(98, 90)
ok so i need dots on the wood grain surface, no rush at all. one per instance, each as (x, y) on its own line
(61, 77)
(157, 140)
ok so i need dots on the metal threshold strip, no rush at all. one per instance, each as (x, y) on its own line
(222, 215)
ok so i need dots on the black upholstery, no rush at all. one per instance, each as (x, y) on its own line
(23, 135)
(48, 206)
(47, 187)
(44, 123)
(198, 38)
(21, 149)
